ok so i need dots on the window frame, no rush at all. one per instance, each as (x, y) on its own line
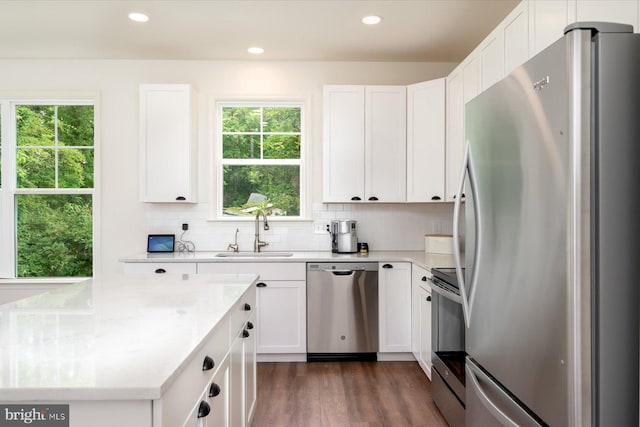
(219, 162)
(8, 181)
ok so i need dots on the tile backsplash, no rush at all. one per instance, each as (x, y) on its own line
(382, 226)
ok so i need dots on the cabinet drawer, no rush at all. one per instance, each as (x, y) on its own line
(177, 402)
(266, 270)
(419, 278)
(160, 267)
(241, 312)
(213, 402)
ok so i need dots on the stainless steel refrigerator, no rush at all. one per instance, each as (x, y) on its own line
(552, 218)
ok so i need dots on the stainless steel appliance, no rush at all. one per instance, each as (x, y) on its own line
(344, 236)
(342, 311)
(550, 293)
(448, 346)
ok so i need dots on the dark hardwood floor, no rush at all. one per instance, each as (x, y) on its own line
(345, 394)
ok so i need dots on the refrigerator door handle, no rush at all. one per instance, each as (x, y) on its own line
(476, 375)
(466, 292)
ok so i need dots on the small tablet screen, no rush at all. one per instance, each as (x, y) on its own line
(160, 242)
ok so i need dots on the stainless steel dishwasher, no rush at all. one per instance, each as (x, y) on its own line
(342, 311)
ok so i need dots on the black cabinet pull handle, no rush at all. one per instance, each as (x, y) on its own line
(246, 307)
(207, 363)
(387, 266)
(356, 198)
(160, 270)
(424, 278)
(214, 390)
(436, 198)
(429, 298)
(245, 333)
(204, 409)
(373, 198)
(181, 198)
(261, 285)
(249, 325)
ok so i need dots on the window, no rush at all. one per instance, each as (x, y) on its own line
(47, 186)
(260, 158)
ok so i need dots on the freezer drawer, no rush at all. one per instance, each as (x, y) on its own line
(446, 401)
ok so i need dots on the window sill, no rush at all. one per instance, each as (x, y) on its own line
(253, 218)
(40, 282)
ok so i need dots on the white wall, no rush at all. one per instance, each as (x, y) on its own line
(124, 221)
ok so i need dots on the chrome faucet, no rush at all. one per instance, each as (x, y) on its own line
(257, 243)
(234, 246)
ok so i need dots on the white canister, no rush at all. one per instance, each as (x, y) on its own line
(438, 243)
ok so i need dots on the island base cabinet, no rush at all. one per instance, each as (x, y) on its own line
(212, 409)
(243, 376)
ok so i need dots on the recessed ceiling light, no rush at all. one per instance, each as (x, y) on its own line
(138, 17)
(371, 20)
(255, 50)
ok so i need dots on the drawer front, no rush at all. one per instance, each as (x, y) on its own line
(177, 402)
(241, 312)
(160, 267)
(211, 407)
(419, 277)
(266, 270)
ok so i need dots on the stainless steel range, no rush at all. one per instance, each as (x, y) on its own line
(448, 346)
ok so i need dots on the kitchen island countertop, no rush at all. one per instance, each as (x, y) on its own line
(113, 339)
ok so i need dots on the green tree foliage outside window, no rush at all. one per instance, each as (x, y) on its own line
(261, 147)
(54, 151)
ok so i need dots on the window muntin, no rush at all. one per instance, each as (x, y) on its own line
(48, 189)
(260, 157)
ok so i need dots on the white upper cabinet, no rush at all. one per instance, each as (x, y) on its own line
(620, 11)
(343, 148)
(515, 31)
(364, 143)
(455, 132)
(426, 141)
(547, 20)
(167, 143)
(385, 146)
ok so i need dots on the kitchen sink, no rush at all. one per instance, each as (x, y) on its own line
(253, 254)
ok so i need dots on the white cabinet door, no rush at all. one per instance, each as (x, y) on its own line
(455, 132)
(385, 143)
(620, 11)
(217, 396)
(421, 318)
(426, 141)
(547, 19)
(282, 317)
(167, 143)
(250, 371)
(491, 53)
(394, 288)
(236, 383)
(424, 355)
(343, 143)
(515, 33)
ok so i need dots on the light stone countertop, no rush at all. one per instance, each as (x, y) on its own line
(121, 338)
(420, 258)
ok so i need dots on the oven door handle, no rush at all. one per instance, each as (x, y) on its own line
(445, 293)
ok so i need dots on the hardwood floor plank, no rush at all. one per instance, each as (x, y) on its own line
(344, 394)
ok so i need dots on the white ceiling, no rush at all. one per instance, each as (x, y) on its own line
(321, 30)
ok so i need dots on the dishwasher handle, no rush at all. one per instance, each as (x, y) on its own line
(341, 272)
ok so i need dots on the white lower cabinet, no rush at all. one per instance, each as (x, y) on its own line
(281, 306)
(421, 318)
(282, 316)
(394, 293)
